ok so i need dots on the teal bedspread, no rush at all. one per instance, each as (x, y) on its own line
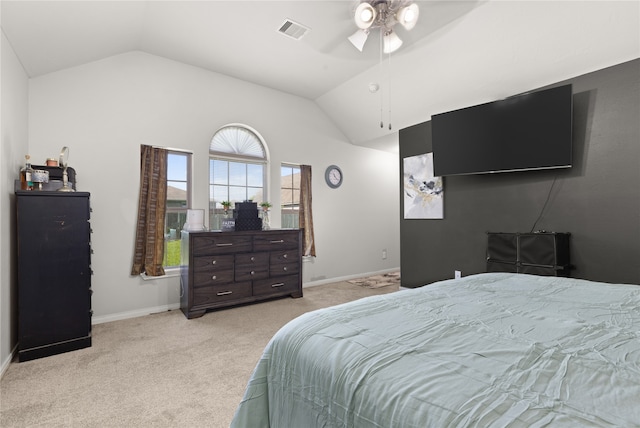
(489, 350)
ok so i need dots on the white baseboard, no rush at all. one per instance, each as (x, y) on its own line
(133, 314)
(7, 361)
(347, 278)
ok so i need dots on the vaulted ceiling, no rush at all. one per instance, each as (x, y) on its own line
(460, 53)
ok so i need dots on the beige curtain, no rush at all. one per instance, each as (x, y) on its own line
(306, 215)
(149, 246)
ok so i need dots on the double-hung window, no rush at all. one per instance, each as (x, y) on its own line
(290, 195)
(178, 202)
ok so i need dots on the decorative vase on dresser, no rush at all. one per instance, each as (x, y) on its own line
(222, 269)
(54, 272)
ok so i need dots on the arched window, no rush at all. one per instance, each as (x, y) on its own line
(238, 160)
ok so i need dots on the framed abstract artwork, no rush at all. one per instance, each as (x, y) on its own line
(423, 192)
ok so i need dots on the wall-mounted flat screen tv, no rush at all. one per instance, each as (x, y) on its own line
(524, 132)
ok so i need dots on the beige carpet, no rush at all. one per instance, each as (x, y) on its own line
(161, 370)
(378, 281)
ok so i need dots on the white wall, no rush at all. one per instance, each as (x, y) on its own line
(13, 134)
(104, 110)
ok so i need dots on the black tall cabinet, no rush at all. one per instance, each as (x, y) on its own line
(54, 273)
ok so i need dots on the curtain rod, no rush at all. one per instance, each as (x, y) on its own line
(173, 149)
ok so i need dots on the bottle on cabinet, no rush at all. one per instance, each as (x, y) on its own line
(26, 175)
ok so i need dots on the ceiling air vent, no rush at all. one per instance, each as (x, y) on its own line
(292, 29)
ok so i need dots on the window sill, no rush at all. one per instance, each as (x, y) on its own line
(168, 273)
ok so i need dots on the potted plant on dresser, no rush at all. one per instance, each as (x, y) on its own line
(265, 215)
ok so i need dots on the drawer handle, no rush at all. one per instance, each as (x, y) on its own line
(284, 256)
(280, 284)
(284, 268)
(214, 277)
(228, 244)
(253, 259)
(252, 272)
(224, 293)
(213, 262)
(280, 241)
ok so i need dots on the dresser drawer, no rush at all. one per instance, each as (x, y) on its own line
(280, 285)
(252, 259)
(212, 263)
(284, 268)
(287, 256)
(201, 279)
(221, 244)
(221, 293)
(251, 266)
(276, 241)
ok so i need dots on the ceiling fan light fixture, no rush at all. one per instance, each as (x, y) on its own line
(391, 42)
(365, 15)
(359, 38)
(408, 16)
(383, 15)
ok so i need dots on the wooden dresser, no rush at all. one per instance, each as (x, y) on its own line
(222, 269)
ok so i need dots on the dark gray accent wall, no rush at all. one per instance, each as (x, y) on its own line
(597, 200)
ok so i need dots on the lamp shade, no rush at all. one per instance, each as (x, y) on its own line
(365, 15)
(408, 16)
(391, 42)
(359, 38)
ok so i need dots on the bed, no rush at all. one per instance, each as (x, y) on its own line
(487, 350)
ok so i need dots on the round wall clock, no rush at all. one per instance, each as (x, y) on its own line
(333, 176)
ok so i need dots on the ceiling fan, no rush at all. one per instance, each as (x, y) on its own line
(383, 15)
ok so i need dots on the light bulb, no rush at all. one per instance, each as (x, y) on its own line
(365, 15)
(359, 38)
(408, 16)
(391, 42)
